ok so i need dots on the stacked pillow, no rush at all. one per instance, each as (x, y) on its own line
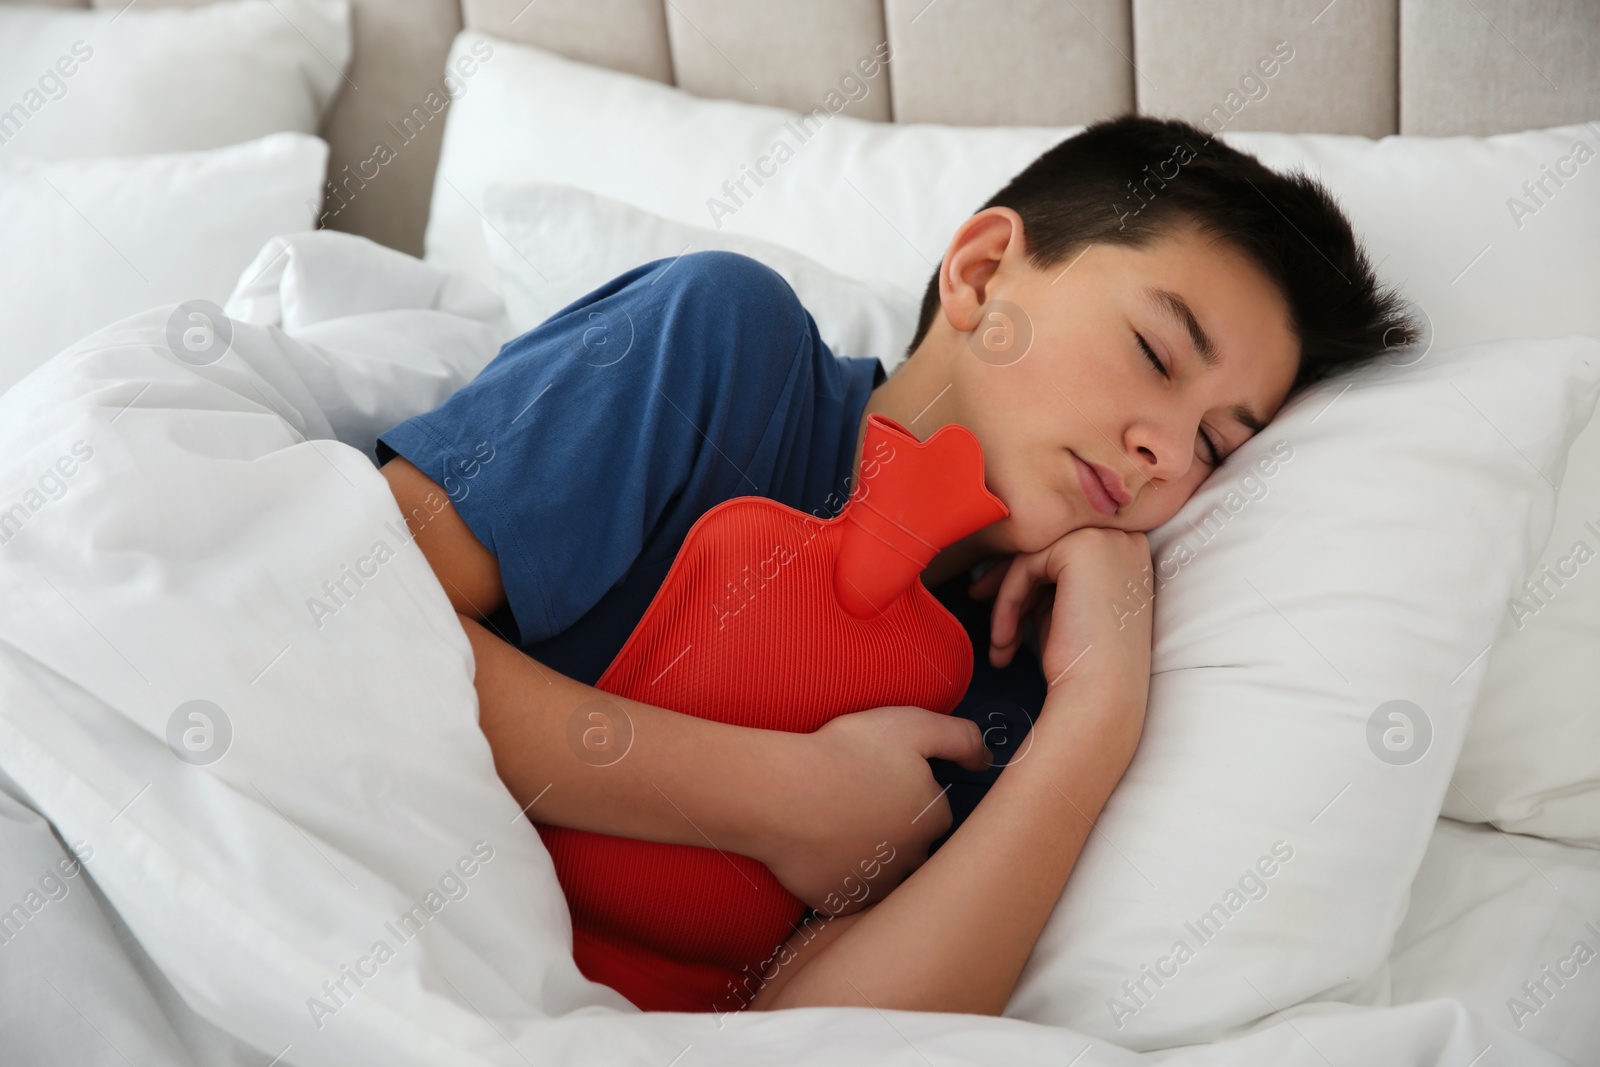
(558, 242)
(1531, 764)
(1330, 597)
(146, 156)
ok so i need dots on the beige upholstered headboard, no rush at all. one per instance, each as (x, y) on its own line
(1372, 67)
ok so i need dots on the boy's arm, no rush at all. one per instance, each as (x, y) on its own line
(956, 935)
(807, 805)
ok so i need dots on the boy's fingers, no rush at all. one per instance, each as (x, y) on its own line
(1010, 602)
(950, 737)
(1001, 654)
(985, 586)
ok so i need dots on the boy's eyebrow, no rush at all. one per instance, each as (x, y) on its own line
(1179, 308)
(1248, 419)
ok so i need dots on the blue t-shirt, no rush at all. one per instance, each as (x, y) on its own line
(585, 450)
(581, 455)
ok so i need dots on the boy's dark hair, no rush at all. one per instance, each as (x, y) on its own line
(1131, 180)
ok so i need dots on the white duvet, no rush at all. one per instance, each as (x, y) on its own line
(293, 843)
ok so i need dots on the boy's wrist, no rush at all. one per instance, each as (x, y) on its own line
(1100, 698)
(779, 818)
(746, 811)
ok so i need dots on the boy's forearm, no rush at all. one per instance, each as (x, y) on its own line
(645, 773)
(956, 934)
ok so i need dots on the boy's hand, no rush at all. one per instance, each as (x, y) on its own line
(1097, 621)
(862, 804)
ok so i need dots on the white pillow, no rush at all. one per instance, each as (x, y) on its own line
(541, 117)
(552, 244)
(1531, 763)
(1353, 554)
(90, 241)
(102, 83)
(880, 201)
(1438, 216)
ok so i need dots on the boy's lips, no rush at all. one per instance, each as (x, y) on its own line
(1101, 486)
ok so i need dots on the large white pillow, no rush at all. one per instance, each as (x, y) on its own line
(552, 244)
(1325, 601)
(538, 116)
(881, 200)
(1531, 763)
(103, 83)
(89, 241)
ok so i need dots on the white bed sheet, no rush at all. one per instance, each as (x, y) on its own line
(175, 563)
(1493, 914)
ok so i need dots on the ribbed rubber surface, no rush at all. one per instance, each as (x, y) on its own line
(748, 629)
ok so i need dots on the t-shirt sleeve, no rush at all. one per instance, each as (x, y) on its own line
(580, 437)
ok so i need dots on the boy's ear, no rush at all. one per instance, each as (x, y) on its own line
(981, 245)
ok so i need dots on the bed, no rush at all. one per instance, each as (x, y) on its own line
(1374, 743)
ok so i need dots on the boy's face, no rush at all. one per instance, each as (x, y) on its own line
(1083, 429)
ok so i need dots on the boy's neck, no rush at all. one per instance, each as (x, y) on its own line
(955, 559)
(920, 397)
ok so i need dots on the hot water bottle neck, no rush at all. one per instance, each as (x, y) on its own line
(776, 619)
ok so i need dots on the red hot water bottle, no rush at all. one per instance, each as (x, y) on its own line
(775, 619)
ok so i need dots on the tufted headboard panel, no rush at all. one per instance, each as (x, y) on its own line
(1370, 67)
